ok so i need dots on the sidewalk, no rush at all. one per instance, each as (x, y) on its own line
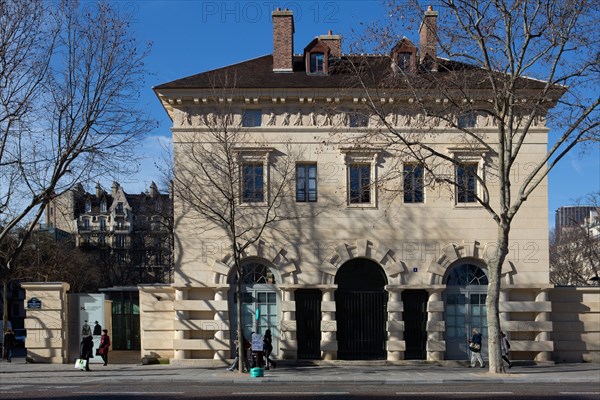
(18, 372)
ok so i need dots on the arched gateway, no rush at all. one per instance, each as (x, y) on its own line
(466, 291)
(361, 310)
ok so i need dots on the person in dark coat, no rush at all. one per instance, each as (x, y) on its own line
(86, 348)
(104, 345)
(9, 344)
(268, 349)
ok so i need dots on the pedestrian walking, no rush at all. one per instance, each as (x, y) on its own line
(268, 349)
(475, 347)
(246, 345)
(9, 344)
(85, 350)
(505, 346)
(104, 345)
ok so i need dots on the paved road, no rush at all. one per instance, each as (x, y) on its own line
(258, 390)
(333, 380)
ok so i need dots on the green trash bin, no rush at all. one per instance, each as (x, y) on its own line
(257, 372)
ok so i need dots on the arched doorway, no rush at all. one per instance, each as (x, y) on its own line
(466, 292)
(361, 310)
(259, 301)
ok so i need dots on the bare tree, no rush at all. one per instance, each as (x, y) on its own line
(69, 78)
(48, 257)
(512, 67)
(228, 181)
(575, 250)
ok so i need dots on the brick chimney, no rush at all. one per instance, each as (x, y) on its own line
(428, 34)
(334, 42)
(283, 40)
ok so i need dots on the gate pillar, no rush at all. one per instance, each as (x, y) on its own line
(46, 321)
(395, 325)
(436, 346)
(329, 345)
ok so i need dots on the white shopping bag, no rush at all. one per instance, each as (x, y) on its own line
(80, 364)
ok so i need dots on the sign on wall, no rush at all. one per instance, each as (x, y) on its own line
(34, 302)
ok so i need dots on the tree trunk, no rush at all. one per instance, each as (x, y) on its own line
(496, 364)
(238, 294)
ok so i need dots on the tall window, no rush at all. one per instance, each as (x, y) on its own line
(120, 241)
(102, 222)
(85, 224)
(103, 206)
(253, 183)
(88, 206)
(360, 183)
(466, 181)
(306, 183)
(317, 63)
(119, 208)
(252, 118)
(413, 183)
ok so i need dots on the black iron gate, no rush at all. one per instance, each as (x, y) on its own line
(361, 324)
(415, 323)
(308, 323)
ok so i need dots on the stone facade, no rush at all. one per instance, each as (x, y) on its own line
(131, 233)
(418, 265)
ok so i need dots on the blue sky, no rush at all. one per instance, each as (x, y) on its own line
(189, 37)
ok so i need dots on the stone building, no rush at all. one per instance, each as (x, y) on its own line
(130, 233)
(369, 277)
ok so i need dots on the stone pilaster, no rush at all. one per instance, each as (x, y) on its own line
(436, 346)
(329, 345)
(289, 340)
(395, 325)
(222, 319)
(180, 315)
(543, 336)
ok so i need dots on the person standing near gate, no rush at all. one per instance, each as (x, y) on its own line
(104, 345)
(9, 344)
(475, 347)
(268, 349)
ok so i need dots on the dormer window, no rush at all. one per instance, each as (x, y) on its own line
(88, 206)
(103, 206)
(317, 63)
(316, 57)
(404, 56)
